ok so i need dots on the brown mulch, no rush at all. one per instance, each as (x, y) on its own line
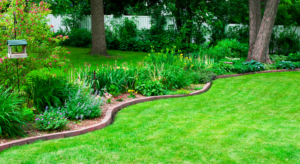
(78, 124)
(74, 125)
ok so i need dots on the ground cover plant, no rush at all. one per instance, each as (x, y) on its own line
(226, 124)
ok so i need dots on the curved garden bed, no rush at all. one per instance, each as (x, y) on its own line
(110, 112)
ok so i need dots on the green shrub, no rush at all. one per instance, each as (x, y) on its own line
(150, 88)
(294, 57)
(77, 37)
(204, 76)
(227, 48)
(278, 58)
(249, 66)
(287, 42)
(51, 120)
(11, 120)
(175, 78)
(82, 104)
(27, 114)
(122, 77)
(48, 91)
(286, 65)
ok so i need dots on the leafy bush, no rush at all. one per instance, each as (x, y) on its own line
(278, 58)
(150, 88)
(11, 119)
(114, 90)
(285, 65)
(51, 120)
(204, 76)
(227, 48)
(77, 37)
(48, 91)
(122, 77)
(82, 104)
(175, 78)
(249, 66)
(294, 57)
(32, 26)
(287, 42)
(27, 114)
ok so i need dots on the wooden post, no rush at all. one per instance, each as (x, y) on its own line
(94, 81)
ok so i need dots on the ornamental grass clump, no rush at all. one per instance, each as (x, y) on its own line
(11, 119)
(51, 120)
(121, 77)
(48, 91)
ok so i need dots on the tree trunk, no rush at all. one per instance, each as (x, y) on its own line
(98, 28)
(261, 45)
(254, 23)
(177, 15)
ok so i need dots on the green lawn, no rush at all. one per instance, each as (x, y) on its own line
(247, 119)
(79, 56)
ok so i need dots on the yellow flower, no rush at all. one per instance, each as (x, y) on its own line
(181, 54)
(136, 92)
(192, 65)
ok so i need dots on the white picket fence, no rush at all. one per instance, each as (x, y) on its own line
(142, 22)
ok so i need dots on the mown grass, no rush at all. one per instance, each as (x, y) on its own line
(81, 56)
(247, 119)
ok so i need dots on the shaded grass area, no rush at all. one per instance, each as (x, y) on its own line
(246, 119)
(79, 56)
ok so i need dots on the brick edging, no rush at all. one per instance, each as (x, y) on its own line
(113, 110)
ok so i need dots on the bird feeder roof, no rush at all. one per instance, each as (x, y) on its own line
(16, 42)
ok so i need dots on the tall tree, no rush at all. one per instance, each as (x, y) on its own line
(254, 22)
(259, 51)
(98, 28)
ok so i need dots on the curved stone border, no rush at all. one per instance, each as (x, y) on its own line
(113, 110)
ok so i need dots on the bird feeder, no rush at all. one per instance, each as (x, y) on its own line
(22, 54)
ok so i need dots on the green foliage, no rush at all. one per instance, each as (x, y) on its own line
(278, 58)
(294, 57)
(227, 48)
(32, 26)
(27, 114)
(175, 77)
(114, 90)
(204, 76)
(285, 65)
(11, 120)
(198, 88)
(51, 120)
(122, 77)
(287, 42)
(178, 92)
(125, 36)
(48, 91)
(81, 104)
(150, 88)
(77, 37)
(250, 66)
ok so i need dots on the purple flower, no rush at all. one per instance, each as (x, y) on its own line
(51, 118)
(48, 122)
(42, 119)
